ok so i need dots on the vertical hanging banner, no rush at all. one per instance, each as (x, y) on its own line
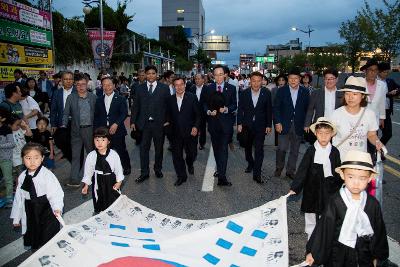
(108, 45)
(15, 32)
(18, 12)
(130, 234)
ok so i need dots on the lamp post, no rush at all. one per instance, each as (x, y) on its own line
(308, 31)
(87, 9)
(198, 35)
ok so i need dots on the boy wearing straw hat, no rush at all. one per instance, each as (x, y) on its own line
(351, 230)
(316, 175)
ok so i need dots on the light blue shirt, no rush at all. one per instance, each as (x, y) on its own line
(293, 94)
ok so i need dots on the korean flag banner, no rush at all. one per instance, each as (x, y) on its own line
(129, 234)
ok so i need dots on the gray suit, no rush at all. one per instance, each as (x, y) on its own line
(81, 135)
(316, 106)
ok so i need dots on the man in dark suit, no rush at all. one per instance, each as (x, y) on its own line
(184, 119)
(149, 117)
(197, 90)
(220, 105)
(62, 136)
(254, 120)
(393, 90)
(79, 113)
(290, 108)
(323, 102)
(111, 111)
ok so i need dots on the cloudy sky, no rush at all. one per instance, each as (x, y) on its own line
(250, 24)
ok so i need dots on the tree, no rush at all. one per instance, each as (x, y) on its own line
(70, 40)
(381, 27)
(355, 40)
(202, 58)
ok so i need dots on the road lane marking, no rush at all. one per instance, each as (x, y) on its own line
(16, 248)
(393, 159)
(394, 122)
(208, 180)
(392, 170)
(394, 250)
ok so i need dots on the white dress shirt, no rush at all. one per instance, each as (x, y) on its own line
(154, 84)
(198, 92)
(330, 99)
(179, 100)
(107, 101)
(66, 93)
(254, 97)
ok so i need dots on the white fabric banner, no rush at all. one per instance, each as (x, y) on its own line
(129, 234)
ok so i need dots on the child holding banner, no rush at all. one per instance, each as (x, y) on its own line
(316, 174)
(351, 230)
(38, 199)
(103, 169)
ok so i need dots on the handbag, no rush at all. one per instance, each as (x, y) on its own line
(353, 130)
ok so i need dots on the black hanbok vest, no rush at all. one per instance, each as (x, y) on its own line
(41, 223)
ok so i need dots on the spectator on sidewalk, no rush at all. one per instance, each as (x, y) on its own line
(13, 94)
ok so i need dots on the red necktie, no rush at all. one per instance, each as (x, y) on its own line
(219, 89)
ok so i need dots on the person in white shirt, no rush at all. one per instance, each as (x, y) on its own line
(38, 199)
(103, 170)
(30, 108)
(355, 123)
(197, 89)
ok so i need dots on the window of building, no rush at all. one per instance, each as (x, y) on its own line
(180, 11)
(180, 19)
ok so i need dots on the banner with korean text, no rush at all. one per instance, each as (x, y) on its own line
(18, 54)
(108, 45)
(19, 12)
(129, 234)
(15, 32)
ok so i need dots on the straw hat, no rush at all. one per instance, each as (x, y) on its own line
(356, 85)
(356, 160)
(323, 120)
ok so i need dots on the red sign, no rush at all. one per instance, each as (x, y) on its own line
(108, 45)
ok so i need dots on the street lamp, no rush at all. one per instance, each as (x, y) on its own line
(87, 9)
(309, 31)
(198, 35)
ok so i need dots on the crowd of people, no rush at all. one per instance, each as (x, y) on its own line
(81, 117)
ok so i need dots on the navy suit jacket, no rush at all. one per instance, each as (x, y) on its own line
(224, 120)
(141, 106)
(57, 107)
(262, 112)
(285, 113)
(182, 121)
(117, 114)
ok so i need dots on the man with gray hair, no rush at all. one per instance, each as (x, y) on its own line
(79, 109)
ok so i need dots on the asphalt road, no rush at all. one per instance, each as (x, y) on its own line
(189, 201)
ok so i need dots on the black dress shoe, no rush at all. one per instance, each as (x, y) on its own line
(290, 176)
(141, 178)
(249, 169)
(258, 180)
(224, 183)
(201, 147)
(277, 172)
(215, 174)
(179, 182)
(159, 174)
(127, 172)
(191, 170)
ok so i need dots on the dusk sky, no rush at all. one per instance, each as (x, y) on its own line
(250, 24)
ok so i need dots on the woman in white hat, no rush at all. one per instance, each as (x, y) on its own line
(355, 124)
(351, 230)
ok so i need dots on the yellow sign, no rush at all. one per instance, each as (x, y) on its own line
(7, 72)
(18, 54)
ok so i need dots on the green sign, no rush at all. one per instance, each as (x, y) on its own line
(18, 33)
(269, 59)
